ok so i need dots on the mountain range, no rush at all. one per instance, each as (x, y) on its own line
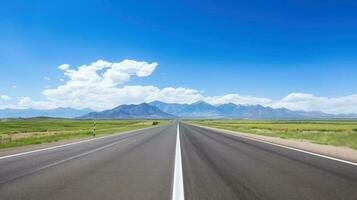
(202, 109)
(58, 112)
(162, 110)
(143, 110)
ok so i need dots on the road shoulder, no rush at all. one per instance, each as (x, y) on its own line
(27, 148)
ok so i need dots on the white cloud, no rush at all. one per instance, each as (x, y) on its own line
(46, 78)
(63, 67)
(131, 94)
(296, 101)
(175, 95)
(309, 102)
(97, 85)
(26, 102)
(5, 97)
(101, 85)
(238, 99)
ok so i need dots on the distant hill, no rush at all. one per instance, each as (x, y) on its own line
(58, 112)
(202, 109)
(143, 110)
(172, 108)
(161, 110)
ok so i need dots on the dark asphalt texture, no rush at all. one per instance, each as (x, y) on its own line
(221, 166)
(139, 165)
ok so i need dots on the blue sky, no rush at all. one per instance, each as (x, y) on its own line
(266, 49)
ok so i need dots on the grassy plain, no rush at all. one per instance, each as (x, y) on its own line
(20, 132)
(330, 132)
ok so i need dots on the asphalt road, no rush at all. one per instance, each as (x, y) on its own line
(137, 165)
(143, 165)
(221, 166)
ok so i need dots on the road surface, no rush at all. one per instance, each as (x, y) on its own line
(147, 164)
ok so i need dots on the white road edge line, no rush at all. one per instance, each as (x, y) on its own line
(61, 146)
(178, 192)
(286, 147)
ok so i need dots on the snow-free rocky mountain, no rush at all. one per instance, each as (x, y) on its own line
(58, 112)
(143, 110)
(202, 109)
(162, 110)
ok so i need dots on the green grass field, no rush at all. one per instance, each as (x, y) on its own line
(330, 132)
(20, 132)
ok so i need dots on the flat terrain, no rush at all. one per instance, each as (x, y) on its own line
(140, 165)
(20, 132)
(330, 132)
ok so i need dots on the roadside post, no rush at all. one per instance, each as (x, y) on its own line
(94, 126)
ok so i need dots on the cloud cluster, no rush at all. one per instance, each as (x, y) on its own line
(309, 102)
(102, 85)
(5, 97)
(238, 99)
(96, 85)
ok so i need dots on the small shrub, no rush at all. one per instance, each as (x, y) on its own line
(354, 129)
(155, 123)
